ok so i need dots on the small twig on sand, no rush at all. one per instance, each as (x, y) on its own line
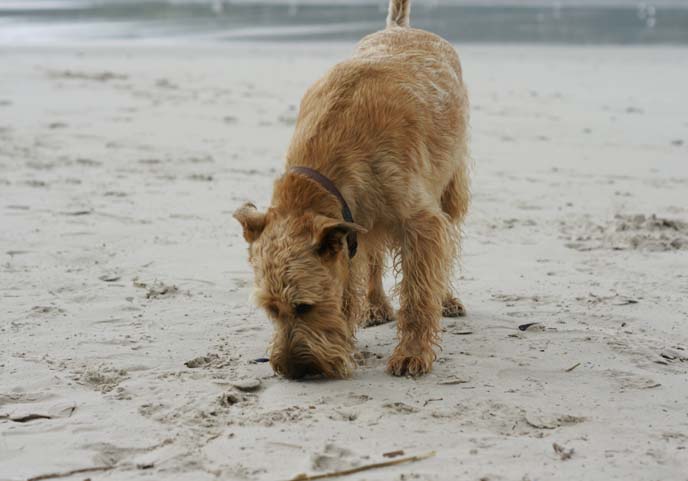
(573, 367)
(66, 474)
(344, 472)
(393, 454)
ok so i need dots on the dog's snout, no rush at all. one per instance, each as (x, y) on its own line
(299, 369)
(301, 353)
(299, 362)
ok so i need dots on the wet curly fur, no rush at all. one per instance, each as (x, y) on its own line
(389, 128)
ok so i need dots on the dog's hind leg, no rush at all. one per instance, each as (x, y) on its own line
(456, 195)
(455, 200)
(379, 309)
(426, 256)
(452, 306)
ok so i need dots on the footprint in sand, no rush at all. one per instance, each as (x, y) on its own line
(628, 232)
(102, 378)
(508, 420)
(334, 458)
(400, 408)
(630, 381)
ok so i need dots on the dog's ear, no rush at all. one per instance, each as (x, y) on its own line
(330, 236)
(251, 220)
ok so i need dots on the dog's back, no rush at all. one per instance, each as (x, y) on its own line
(394, 114)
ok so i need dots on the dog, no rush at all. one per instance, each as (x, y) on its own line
(378, 164)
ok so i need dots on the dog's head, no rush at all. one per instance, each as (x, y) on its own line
(301, 266)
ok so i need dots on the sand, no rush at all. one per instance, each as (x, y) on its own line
(127, 338)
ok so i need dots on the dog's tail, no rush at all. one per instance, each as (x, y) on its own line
(399, 12)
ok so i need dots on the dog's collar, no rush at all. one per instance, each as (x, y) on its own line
(352, 238)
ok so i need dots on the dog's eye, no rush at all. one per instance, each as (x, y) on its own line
(302, 309)
(273, 311)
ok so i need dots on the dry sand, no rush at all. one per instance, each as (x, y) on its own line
(125, 320)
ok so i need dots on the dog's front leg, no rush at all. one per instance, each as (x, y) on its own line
(379, 309)
(354, 302)
(426, 259)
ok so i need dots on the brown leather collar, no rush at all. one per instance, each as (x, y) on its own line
(328, 185)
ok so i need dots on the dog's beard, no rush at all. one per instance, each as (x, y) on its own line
(302, 352)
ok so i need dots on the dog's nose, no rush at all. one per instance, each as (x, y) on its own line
(301, 369)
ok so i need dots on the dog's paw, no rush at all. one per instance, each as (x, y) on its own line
(378, 315)
(452, 307)
(414, 366)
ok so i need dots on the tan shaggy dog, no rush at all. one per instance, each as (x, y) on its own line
(378, 156)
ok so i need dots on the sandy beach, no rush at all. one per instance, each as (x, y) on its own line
(127, 337)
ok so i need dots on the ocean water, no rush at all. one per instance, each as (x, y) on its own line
(564, 22)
